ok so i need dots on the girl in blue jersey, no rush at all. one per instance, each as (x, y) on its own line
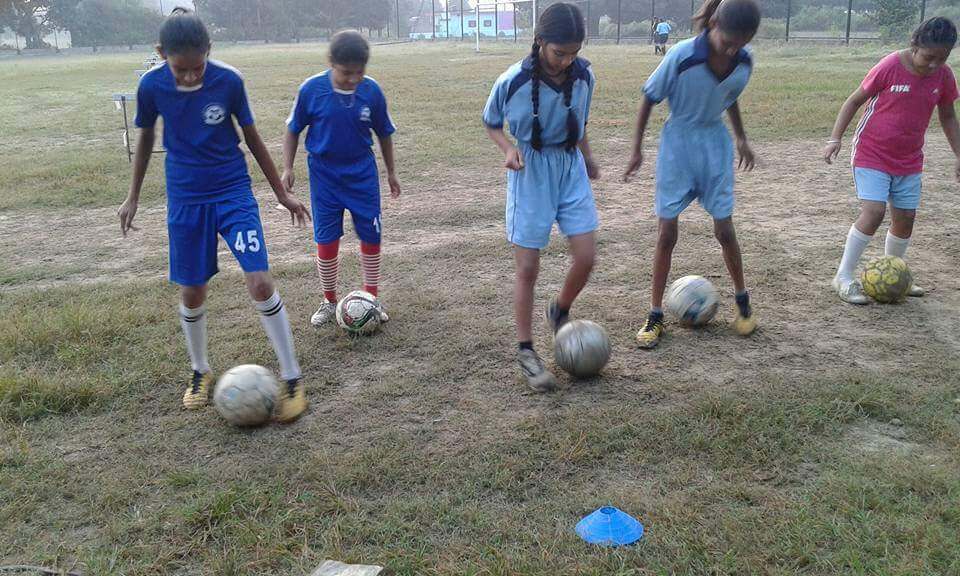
(545, 99)
(340, 108)
(702, 78)
(209, 193)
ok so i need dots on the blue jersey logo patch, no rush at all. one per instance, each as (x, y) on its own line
(365, 114)
(214, 114)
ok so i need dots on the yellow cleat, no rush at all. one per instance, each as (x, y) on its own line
(745, 326)
(649, 336)
(197, 394)
(293, 401)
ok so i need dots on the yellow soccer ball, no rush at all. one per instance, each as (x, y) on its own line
(886, 279)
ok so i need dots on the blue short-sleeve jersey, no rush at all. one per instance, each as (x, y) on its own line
(663, 28)
(511, 102)
(695, 93)
(339, 123)
(204, 162)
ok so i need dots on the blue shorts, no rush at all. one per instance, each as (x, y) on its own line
(694, 163)
(193, 230)
(902, 192)
(552, 187)
(336, 186)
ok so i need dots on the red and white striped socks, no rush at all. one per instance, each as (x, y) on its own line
(370, 265)
(328, 264)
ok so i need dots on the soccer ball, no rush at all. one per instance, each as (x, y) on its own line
(693, 300)
(886, 279)
(359, 313)
(581, 348)
(245, 395)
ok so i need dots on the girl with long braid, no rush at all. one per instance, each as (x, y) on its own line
(545, 99)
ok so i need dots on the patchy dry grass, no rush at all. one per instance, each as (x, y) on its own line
(828, 443)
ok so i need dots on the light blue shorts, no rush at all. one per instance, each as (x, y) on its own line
(694, 163)
(902, 192)
(552, 187)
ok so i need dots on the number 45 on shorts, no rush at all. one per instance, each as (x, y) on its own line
(251, 242)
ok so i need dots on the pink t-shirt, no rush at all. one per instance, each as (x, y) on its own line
(891, 133)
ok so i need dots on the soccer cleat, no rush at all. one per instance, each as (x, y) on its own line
(293, 401)
(555, 317)
(197, 394)
(649, 336)
(916, 291)
(539, 379)
(850, 292)
(325, 313)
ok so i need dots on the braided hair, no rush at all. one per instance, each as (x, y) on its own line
(561, 23)
(935, 32)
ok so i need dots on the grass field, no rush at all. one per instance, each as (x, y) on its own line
(828, 443)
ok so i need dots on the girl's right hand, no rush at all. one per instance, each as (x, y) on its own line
(831, 151)
(126, 212)
(514, 159)
(288, 180)
(635, 162)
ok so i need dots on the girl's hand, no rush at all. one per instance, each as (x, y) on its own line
(288, 180)
(514, 159)
(593, 169)
(299, 214)
(126, 212)
(635, 162)
(394, 185)
(747, 159)
(831, 151)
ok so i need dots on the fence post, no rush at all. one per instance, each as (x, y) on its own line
(789, 7)
(693, 10)
(588, 18)
(433, 24)
(535, 14)
(923, 10)
(398, 18)
(514, 23)
(849, 18)
(446, 16)
(618, 20)
(476, 8)
(461, 19)
(496, 21)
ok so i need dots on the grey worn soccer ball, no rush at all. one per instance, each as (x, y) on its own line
(693, 300)
(245, 395)
(581, 348)
(359, 313)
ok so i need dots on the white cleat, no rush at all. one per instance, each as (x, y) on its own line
(324, 314)
(850, 292)
(916, 291)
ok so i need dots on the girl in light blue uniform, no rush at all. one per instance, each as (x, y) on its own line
(702, 78)
(545, 99)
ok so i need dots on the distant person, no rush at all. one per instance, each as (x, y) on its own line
(702, 77)
(209, 193)
(341, 109)
(887, 151)
(662, 32)
(545, 99)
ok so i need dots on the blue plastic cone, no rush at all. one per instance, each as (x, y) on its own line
(609, 526)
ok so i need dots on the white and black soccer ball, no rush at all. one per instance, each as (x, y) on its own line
(359, 312)
(693, 300)
(581, 348)
(246, 395)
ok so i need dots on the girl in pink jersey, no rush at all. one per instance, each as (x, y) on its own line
(901, 93)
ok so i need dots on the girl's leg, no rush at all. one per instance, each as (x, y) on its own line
(871, 215)
(527, 261)
(193, 320)
(649, 334)
(370, 259)
(898, 239)
(725, 233)
(273, 317)
(583, 249)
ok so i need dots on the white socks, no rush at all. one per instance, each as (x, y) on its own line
(273, 316)
(857, 242)
(895, 246)
(194, 323)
